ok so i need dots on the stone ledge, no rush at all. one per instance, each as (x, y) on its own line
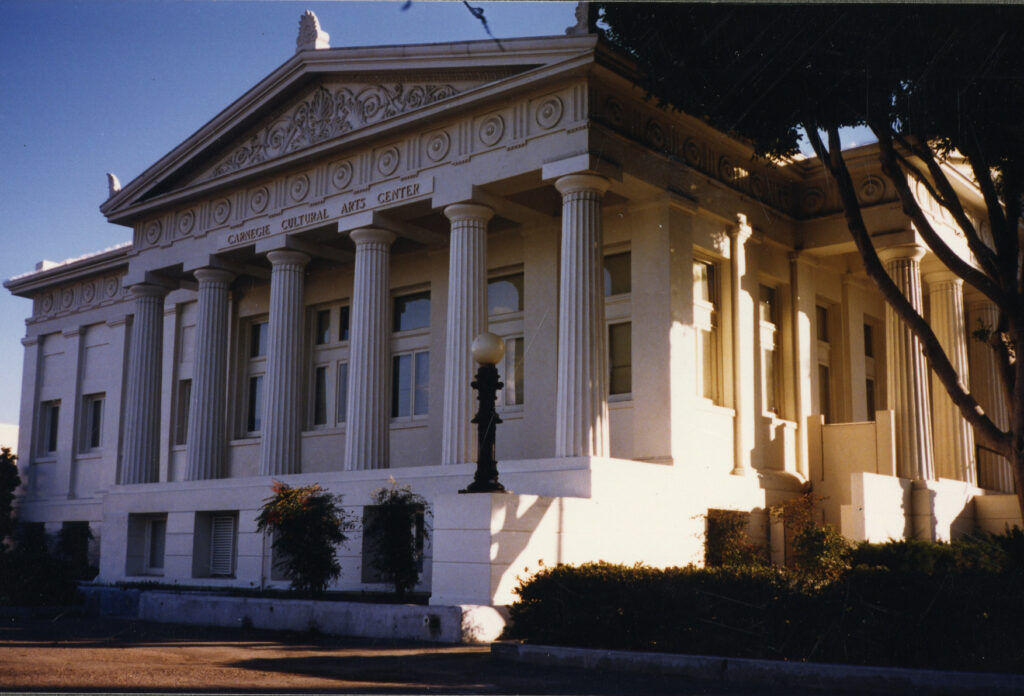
(843, 678)
(465, 623)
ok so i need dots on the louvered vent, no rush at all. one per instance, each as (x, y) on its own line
(222, 546)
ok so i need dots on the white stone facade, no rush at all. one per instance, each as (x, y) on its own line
(300, 296)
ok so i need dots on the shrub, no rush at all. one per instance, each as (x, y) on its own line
(727, 543)
(817, 554)
(308, 523)
(869, 616)
(394, 531)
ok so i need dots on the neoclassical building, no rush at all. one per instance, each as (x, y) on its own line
(687, 329)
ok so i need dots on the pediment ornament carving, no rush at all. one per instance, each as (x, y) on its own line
(326, 114)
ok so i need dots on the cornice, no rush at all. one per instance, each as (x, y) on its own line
(30, 284)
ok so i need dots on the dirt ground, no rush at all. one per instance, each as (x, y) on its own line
(82, 654)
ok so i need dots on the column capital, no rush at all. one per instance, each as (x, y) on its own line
(574, 183)
(943, 276)
(908, 252)
(370, 235)
(287, 257)
(213, 275)
(468, 211)
(741, 230)
(146, 290)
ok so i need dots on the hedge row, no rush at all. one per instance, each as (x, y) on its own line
(958, 619)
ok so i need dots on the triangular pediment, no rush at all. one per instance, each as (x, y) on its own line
(337, 107)
(321, 98)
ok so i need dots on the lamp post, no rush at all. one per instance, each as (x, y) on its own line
(487, 350)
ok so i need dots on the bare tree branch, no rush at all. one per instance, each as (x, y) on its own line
(951, 202)
(912, 208)
(832, 158)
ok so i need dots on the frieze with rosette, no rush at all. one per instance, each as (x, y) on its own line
(327, 113)
(660, 131)
(79, 296)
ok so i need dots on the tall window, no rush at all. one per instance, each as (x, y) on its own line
(618, 288)
(184, 398)
(156, 536)
(869, 371)
(706, 318)
(505, 318)
(222, 545)
(410, 381)
(823, 328)
(768, 311)
(620, 358)
(92, 422)
(412, 312)
(257, 352)
(328, 389)
(617, 275)
(410, 366)
(49, 422)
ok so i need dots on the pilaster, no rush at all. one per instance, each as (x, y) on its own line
(367, 430)
(280, 453)
(466, 319)
(581, 428)
(743, 357)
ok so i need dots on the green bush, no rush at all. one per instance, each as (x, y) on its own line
(727, 544)
(395, 529)
(308, 523)
(956, 619)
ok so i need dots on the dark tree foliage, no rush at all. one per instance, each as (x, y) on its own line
(938, 86)
(9, 482)
(308, 523)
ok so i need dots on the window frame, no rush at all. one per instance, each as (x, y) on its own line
(255, 372)
(708, 319)
(329, 357)
(770, 339)
(49, 429)
(91, 435)
(509, 326)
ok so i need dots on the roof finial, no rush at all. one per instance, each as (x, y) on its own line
(586, 20)
(311, 36)
(113, 185)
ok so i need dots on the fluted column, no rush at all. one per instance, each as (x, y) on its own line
(140, 462)
(466, 319)
(282, 404)
(581, 406)
(994, 471)
(367, 430)
(207, 434)
(906, 374)
(953, 437)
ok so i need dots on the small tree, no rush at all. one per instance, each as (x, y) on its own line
(396, 530)
(307, 523)
(9, 482)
